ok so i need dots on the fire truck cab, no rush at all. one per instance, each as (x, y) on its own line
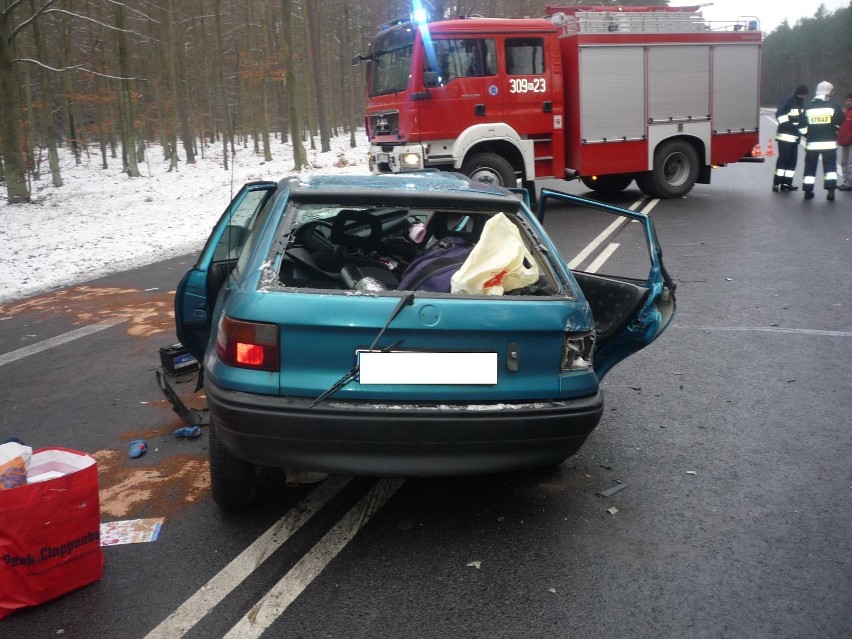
(606, 95)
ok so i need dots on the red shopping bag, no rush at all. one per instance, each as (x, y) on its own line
(50, 530)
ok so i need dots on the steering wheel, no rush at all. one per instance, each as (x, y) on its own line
(315, 236)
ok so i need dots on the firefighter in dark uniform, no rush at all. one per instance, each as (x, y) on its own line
(822, 119)
(790, 126)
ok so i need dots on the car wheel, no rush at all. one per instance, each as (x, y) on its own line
(491, 169)
(608, 183)
(232, 480)
(674, 173)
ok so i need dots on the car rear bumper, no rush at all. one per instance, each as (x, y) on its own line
(399, 439)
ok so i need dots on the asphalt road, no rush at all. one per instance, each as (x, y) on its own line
(731, 434)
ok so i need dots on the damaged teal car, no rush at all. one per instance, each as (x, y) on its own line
(415, 324)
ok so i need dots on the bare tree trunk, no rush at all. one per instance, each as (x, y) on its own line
(127, 111)
(10, 114)
(48, 129)
(264, 86)
(313, 35)
(350, 87)
(300, 158)
(73, 117)
(227, 129)
(180, 96)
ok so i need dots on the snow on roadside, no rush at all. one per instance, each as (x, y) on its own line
(102, 221)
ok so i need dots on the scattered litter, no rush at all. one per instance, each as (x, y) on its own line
(474, 564)
(613, 490)
(501, 518)
(729, 279)
(612, 510)
(15, 461)
(188, 432)
(553, 590)
(605, 466)
(691, 472)
(131, 531)
(138, 447)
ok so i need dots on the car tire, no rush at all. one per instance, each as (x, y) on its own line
(608, 183)
(674, 173)
(233, 481)
(491, 169)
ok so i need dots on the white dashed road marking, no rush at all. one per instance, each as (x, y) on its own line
(275, 602)
(44, 345)
(232, 575)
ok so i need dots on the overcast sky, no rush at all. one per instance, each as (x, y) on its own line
(770, 12)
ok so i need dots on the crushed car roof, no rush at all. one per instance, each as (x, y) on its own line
(448, 189)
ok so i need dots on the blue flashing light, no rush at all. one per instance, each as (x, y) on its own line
(419, 15)
(418, 10)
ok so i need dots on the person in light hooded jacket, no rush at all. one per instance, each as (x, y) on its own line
(822, 119)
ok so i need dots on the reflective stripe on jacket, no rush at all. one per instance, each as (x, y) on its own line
(822, 119)
(790, 121)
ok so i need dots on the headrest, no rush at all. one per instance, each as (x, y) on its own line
(349, 228)
(451, 224)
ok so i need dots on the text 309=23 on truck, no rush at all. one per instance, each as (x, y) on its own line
(604, 94)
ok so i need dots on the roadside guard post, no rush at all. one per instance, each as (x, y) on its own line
(50, 530)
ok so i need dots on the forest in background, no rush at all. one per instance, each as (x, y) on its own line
(112, 77)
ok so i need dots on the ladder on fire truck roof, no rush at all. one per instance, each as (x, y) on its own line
(636, 19)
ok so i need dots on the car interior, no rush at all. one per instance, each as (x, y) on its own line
(368, 249)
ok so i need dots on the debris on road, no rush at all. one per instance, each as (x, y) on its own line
(474, 564)
(130, 531)
(188, 432)
(612, 490)
(138, 447)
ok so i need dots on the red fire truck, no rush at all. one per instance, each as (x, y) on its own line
(607, 95)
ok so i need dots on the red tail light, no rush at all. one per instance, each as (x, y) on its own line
(248, 344)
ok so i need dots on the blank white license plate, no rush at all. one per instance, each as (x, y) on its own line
(427, 368)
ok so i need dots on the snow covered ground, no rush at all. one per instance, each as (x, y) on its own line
(102, 221)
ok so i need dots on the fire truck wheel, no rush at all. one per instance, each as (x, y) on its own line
(608, 183)
(490, 168)
(674, 173)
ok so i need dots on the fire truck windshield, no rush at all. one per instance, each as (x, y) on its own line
(390, 61)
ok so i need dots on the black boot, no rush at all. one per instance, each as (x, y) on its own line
(809, 195)
(830, 195)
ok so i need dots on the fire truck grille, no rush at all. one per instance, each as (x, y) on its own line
(385, 123)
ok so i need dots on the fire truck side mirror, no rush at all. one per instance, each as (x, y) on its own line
(431, 79)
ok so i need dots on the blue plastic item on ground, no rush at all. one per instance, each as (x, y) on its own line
(138, 447)
(188, 432)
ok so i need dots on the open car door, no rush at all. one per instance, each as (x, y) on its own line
(608, 249)
(197, 292)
